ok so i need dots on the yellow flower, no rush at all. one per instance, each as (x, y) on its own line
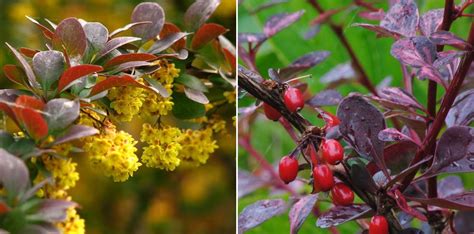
(113, 153)
(126, 102)
(89, 117)
(153, 103)
(197, 146)
(163, 147)
(230, 96)
(73, 223)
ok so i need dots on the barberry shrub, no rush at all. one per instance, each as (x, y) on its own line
(382, 159)
(74, 95)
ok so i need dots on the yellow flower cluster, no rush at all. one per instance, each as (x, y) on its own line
(163, 147)
(113, 153)
(73, 223)
(126, 102)
(155, 104)
(230, 96)
(89, 118)
(197, 146)
(63, 172)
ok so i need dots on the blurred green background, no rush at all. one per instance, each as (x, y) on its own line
(188, 200)
(269, 137)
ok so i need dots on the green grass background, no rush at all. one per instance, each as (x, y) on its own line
(269, 137)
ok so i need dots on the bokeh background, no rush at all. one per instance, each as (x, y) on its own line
(188, 200)
(269, 137)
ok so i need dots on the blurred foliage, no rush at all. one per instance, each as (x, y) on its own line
(188, 200)
(269, 137)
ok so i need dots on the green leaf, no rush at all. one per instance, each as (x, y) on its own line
(185, 108)
(22, 147)
(6, 139)
(191, 82)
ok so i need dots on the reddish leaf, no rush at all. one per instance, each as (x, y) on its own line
(231, 59)
(15, 74)
(462, 201)
(403, 205)
(399, 155)
(462, 111)
(430, 21)
(123, 58)
(258, 212)
(75, 73)
(207, 33)
(256, 38)
(399, 97)
(456, 143)
(114, 44)
(27, 111)
(303, 63)
(26, 67)
(372, 15)
(415, 51)
(329, 97)
(71, 35)
(148, 11)
(116, 81)
(129, 65)
(341, 214)
(278, 22)
(300, 211)
(381, 32)
(8, 97)
(198, 13)
(402, 18)
(46, 31)
(170, 28)
(3, 208)
(360, 124)
(247, 183)
(28, 52)
(448, 38)
(392, 134)
(322, 18)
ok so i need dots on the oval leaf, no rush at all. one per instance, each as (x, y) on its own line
(198, 13)
(75, 73)
(402, 18)
(124, 58)
(462, 111)
(278, 22)
(300, 211)
(28, 111)
(166, 42)
(76, 132)
(26, 67)
(341, 214)
(207, 33)
(303, 63)
(48, 66)
(71, 35)
(148, 11)
(260, 211)
(14, 174)
(15, 74)
(97, 35)
(430, 21)
(62, 112)
(456, 143)
(196, 95)
(114, 44)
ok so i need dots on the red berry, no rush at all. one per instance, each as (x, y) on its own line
(378, 225)
(342, 195)
(293, 99)
(323, 178)
(271, 112)
(332, 151)
(288, 169)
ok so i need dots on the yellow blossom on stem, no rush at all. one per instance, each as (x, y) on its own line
(126, 102)
(230, 96)
(197, 146)
(163, 147)
(73, 223)
(113, 153)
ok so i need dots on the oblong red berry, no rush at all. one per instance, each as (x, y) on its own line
(271, 112)
(378, 225)
(288, 169)
(342, 194)
(332, 151)
(323, 177)
(293, 99)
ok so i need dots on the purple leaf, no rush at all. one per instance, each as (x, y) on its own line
(449, 57)
(247, 183)
(196, 95)
(399, 155)
(14, 174)
(381, 31)
(127, 27)
(361, 177)
(398, 97)
(53, 210)
(128, 65)
(166, 42)
(372, 15)
(71, 35)
(312, 31)
(431, 73)
(338, 74)
(256, 38)
(329, 97)
(402, 18)
(392, 134)
(462, 111)
(403, 205)
(26, 67)
(76, 132)
(97, 35)
(341, 214)
(360, 125)
(456, 143)
(61, 113)
(267, 5)
(300, 211)
(250, 74)
(463, 222)
(430, 21)
(148, 11)
(198, 13)
(114, 44)
(303, 63)
(416, 51)
(461, 201)
(448, 38)
(450, 185)
(258, 212)
(278, 22)
(48, 66)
